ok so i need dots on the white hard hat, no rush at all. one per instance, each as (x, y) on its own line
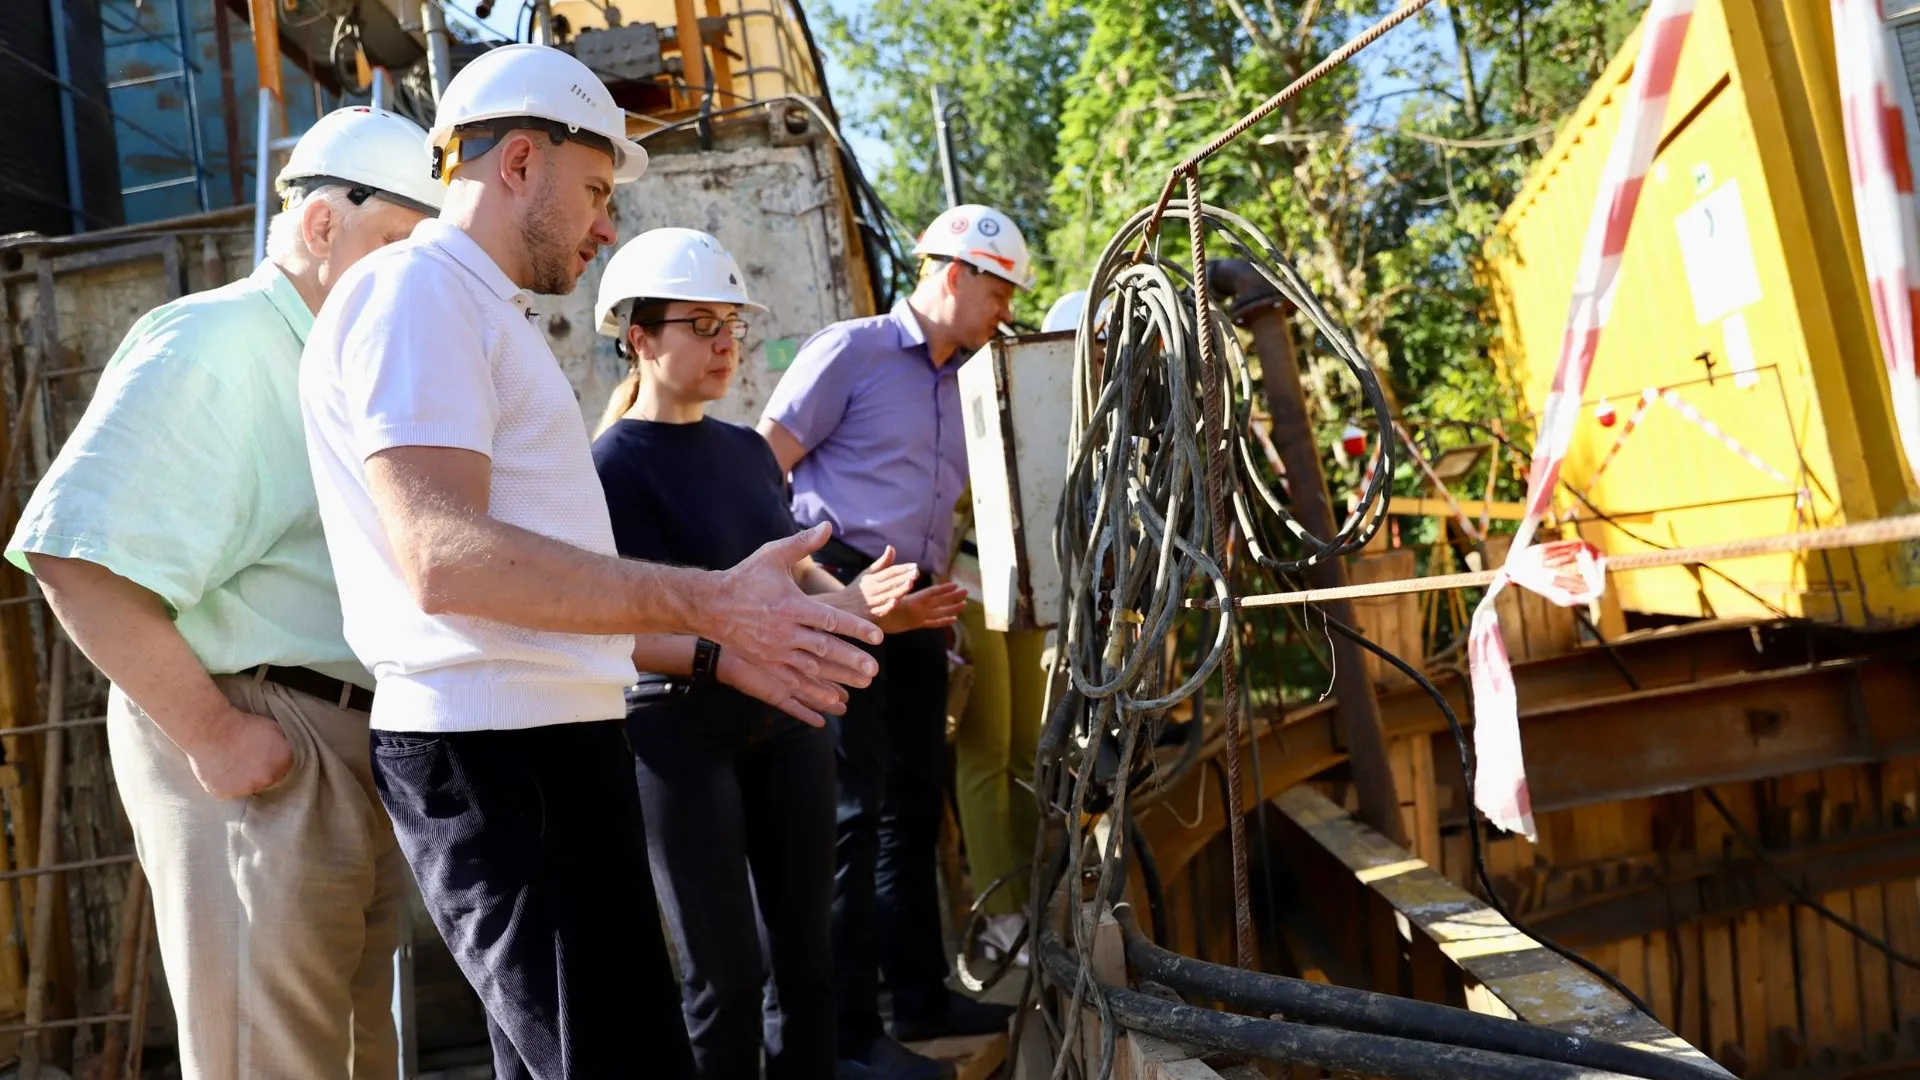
(536, 82)
(365, 148)
(1066, 312)
(668, 264)
(981, 237)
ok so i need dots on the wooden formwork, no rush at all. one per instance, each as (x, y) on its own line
(1662, 893)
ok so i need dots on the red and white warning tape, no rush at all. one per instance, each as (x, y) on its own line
(1686, 409)
(1883, 200)
(1647, 398)
(1574, 576)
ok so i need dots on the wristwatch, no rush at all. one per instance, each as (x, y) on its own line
(706, 663)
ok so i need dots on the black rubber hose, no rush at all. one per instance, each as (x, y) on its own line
(1316, 1047)
(1383, 1014)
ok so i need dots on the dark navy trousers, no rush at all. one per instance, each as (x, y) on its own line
(530, 852)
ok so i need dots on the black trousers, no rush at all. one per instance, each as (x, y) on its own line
(531, 855)
(739, 810)
(891, 752)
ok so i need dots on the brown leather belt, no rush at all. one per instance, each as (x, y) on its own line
(325, 687)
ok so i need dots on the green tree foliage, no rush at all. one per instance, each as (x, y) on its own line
(1383, 183)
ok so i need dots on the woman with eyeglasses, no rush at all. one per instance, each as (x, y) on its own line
(738, 798)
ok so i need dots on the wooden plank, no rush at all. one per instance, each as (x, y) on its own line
(1876, 983)
(1400, 764)
(1903, 933)
(1383, 946)
(1782, 993)
(1722, 987)
(1458, 855)
(1512, 968)
(1843, 975)
(1660, 961)
(1426, 831)
(1691, 1003)
(1750, 979)
(1630, 964)
(1393, 622)
(1816, 978)
(1409, 506)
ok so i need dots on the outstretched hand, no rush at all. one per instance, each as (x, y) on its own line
(933, 606)
(883, 593)
(780, 645)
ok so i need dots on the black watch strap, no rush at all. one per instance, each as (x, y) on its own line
(706, 662)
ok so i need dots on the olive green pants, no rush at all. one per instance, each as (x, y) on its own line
(993, 748)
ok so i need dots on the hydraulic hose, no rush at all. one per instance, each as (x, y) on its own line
(1331, 1049)
(1383, 1014)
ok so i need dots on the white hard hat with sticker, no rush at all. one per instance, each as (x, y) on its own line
(981, 237)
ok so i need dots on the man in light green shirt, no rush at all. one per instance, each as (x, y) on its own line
(178, 541)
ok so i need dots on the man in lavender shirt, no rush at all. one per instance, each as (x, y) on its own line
(868, 423)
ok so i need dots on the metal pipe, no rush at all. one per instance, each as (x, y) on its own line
(380, 94)
(53, 777)
(145, 80)
(76, 194)
(543, 23)
(45, 873)
(187, 73)
(943, 138)
(133, 909)
(229, 103)
(263, 158)
(407, 1038)
(439, 60)
(1256, 305)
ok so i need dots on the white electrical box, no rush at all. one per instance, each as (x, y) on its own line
(1017, 397)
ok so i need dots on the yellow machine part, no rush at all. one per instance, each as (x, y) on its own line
(766, 45)
(1743, 265)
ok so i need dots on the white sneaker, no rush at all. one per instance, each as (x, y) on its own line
(999, 935)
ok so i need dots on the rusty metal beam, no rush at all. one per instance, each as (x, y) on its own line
(1725, 889)
(1718, 731)
(1717, 703)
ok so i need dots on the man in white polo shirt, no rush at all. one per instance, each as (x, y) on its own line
(479, 583)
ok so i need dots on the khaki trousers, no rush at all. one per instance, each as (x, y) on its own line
(277, 914)
(993, 751)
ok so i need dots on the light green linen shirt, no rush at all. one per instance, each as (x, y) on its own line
(188, 475)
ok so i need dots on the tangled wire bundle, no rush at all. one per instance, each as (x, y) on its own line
(1162, 471)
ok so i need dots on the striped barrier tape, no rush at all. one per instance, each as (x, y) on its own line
(1883, 200)
(1500, 783)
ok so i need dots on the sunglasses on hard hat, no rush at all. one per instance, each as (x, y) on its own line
(471, 141)
(357, 194)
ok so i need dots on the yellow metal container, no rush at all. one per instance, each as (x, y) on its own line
(1742, 292)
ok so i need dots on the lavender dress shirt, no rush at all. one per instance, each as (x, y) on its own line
(886, 455)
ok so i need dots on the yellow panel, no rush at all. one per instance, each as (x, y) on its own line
(1750, 125)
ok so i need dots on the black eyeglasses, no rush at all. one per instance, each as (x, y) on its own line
(707, 326)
